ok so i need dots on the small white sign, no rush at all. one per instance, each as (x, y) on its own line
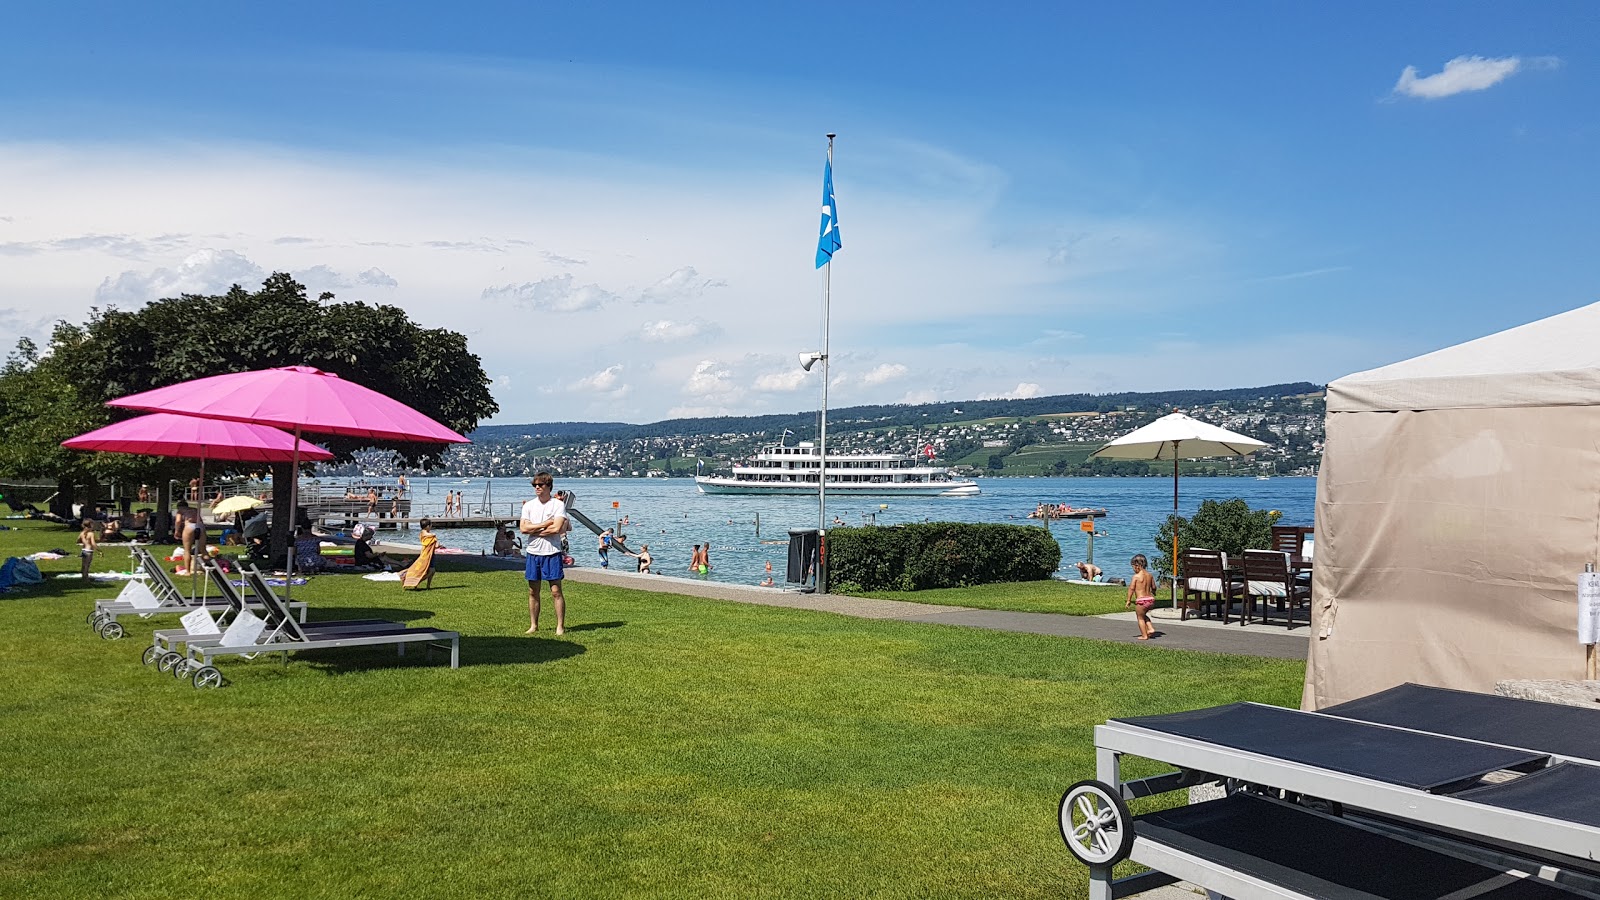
(199, 621)
(137, 594)
(1589, 608)
(243, 631)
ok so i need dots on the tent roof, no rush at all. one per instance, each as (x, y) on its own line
(1551, 362)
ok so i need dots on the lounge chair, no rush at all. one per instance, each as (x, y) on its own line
(161, 596)
(164, 643)
(249, 635)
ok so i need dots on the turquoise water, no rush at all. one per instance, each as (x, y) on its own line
(671, 516)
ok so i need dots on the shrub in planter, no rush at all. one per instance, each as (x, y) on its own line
(1227, 525)
(939, 554)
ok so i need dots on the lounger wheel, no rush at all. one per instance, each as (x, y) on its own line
(168, 660)
(111, 631)
(1096, 824)
(93, 614)
(151, 654)
(207, 677)
(180, 669)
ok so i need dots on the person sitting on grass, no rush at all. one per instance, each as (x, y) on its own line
(307, 552)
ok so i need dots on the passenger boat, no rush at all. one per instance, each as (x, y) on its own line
(784, 469)
(1063, 511)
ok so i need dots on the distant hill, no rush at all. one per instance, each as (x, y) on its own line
(889, 414)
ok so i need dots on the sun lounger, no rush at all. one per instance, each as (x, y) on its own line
(249, 635)
(165, 642)
(160, 596)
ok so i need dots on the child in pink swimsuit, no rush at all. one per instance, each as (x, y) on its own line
(1142, 595)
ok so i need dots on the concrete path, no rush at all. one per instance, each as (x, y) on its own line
(1202, 635)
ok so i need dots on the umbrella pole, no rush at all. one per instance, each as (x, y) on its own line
(1175, 526)
(200, 496)
(294, 504)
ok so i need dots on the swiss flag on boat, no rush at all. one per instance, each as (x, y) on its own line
(928, 451)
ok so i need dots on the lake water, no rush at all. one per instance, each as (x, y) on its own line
(671, 516)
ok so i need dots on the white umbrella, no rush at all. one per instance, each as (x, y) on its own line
(1178, 437)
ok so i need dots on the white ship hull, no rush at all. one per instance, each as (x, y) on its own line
(782, 469)
(718, 484)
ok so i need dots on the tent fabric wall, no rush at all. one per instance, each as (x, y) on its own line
(1450, 536)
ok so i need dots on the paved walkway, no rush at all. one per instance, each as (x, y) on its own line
(1202, 635)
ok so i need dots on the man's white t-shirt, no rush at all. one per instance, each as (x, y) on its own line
(536, 513)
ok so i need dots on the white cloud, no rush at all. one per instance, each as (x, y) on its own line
(922, 396)
(204, 272)
(667, 331)
(682, 285)
(1022, 391)
(883, 374)
(710, 379)
(782, 381)
(376, 277)
(607, 381)
(557, 294)
(1460, 75)
(109, 244)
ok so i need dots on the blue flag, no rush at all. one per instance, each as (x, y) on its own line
(828, 235)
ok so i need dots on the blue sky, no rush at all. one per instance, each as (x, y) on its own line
(618, 203)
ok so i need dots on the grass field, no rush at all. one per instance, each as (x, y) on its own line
(666, 747)
(1026, 596)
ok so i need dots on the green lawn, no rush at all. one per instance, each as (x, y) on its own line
(666, 747)
(1025, 596)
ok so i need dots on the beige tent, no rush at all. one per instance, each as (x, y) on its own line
(1458, 500)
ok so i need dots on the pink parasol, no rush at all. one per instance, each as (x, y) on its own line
(168, 434)
(299, 398)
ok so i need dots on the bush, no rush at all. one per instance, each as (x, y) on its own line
(1228, 525)
(938, 555)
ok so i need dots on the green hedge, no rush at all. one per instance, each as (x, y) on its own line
(938, 555)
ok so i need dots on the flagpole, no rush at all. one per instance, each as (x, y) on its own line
(822, 437)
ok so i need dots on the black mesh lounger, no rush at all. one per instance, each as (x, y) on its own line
(1568, 731)
(1307, 854)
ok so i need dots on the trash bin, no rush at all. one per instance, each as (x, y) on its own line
(803, 545)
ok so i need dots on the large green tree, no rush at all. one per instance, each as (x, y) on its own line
(121, 352)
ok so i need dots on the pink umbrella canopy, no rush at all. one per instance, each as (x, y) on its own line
(296, 397)
(168, 434)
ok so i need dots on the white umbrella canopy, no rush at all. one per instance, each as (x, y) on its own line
(1176, 437)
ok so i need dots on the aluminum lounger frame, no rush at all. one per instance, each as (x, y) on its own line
(173, 600)
(1387, 812)
(288, 635)
(169, 639)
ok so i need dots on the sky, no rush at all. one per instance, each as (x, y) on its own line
(619, 203)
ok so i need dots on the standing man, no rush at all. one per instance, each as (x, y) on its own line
(544, 518)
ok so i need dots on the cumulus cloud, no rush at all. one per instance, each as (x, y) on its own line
(204, 272)
(1023, 391)
(666, 330)
(1460, 75)
(325, 278)
(781, 382)
(884, 374)
(558, 294)
(710, 379)
(926, 395)
(682, 284)
(607, 381)
(376, 277)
